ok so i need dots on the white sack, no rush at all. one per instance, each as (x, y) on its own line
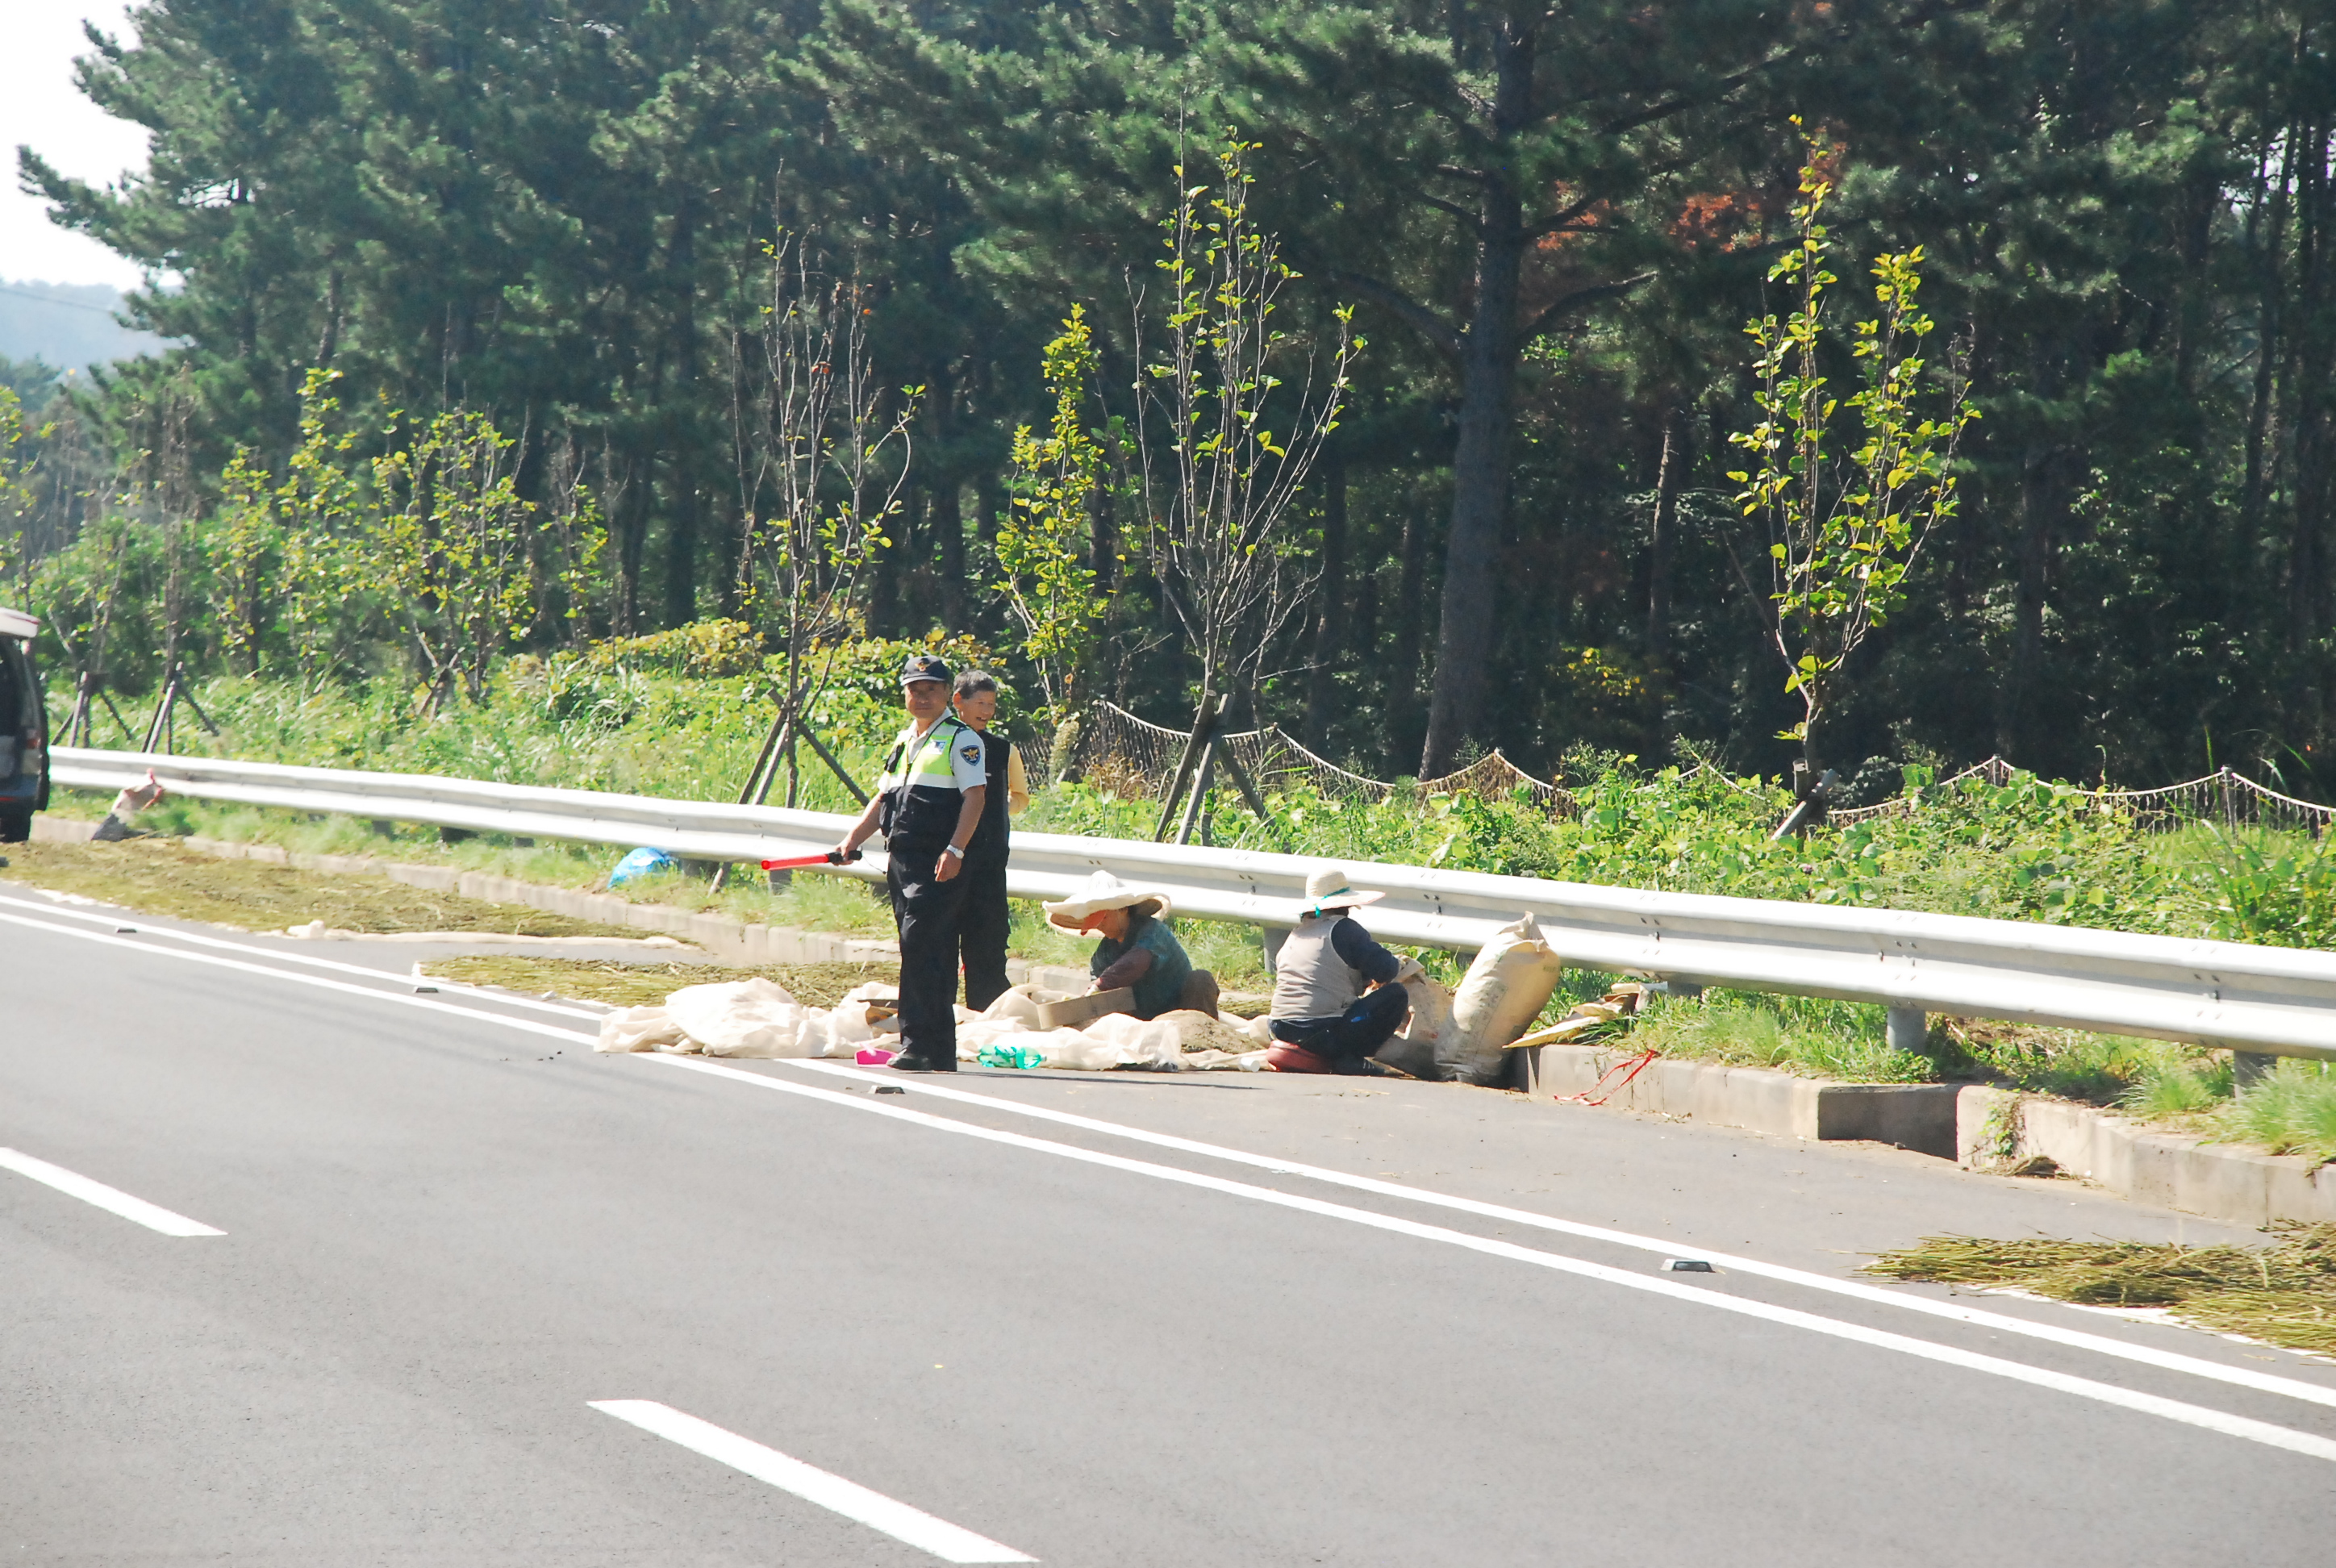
(1416, 1046)
(1081, 1050)
(1015, 1006)
(1142, 1043)
(743, 1018)
(1509, 982)
(638, 1029)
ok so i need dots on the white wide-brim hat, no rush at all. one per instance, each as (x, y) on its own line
(1104, 891)
(1332, 889)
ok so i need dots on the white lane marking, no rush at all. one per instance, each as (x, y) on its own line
(2263, 1382)
(112, 1200)
(526, 1025)
(1978, 1317)
(948, 1542)
(532, 1004)
(2200, 1415)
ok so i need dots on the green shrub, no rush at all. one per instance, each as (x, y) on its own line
(2292, 1109)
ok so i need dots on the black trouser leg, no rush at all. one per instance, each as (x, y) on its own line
(981, 931)
(1369, 1021)
(926, 913)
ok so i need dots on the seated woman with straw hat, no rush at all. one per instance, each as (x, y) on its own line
(1336, 999)
(1138, 951)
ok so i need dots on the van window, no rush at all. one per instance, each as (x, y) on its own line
(15, 689)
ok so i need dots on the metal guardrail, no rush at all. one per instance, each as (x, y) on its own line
(2279, 1001)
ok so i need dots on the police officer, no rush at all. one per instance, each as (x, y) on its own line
(983, 925)
(927, 806)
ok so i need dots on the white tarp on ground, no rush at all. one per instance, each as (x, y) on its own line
(757, 1017)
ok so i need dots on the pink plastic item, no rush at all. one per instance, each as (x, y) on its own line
(876, 1058)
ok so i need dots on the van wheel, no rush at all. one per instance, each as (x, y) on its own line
(15, 827)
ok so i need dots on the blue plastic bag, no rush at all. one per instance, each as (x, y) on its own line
(640, 863)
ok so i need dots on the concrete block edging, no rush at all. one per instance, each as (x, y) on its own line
(1982, 1128)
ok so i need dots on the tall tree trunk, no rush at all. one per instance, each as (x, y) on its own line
(1328, 593)
(2039, 501)
(1661, 533)
(682, 540)
(947, 517)
(1480, 464)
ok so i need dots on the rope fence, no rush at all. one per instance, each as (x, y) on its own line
(1133, 758)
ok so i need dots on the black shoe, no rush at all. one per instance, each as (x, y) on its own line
(905, 1063)
(1363, 1067)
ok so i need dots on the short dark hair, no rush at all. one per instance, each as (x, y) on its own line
(974, 681)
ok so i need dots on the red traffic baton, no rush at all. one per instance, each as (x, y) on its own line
(829, 859)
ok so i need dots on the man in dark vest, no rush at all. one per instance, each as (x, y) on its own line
(927, 806)
(981, 931)
(1324, 1019)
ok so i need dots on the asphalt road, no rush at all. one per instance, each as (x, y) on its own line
(484, 1297)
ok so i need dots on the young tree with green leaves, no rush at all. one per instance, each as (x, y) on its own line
(822, 453)
(1041, 547)
(1231, 412)
(1843, 530)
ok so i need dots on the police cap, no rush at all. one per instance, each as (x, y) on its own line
(925, 666)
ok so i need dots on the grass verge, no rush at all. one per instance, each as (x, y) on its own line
(2283, 1294)
(158, 876)
(649, 985)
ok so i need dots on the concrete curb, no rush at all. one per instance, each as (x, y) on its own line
(1996, 1129)
(1918, 1117)
(732, 941)
(1982, 1128)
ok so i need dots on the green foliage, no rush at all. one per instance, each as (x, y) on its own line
(2292, 1109)
(1843, 536)
(2279, 890)
(20, 442)
(1808, 1035)
(1058, 481)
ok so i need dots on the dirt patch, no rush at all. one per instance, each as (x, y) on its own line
(159, 876)
(646, 985)
(2283, 1294)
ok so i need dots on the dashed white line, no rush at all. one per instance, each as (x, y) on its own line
(949, 1543)
(112, 1200)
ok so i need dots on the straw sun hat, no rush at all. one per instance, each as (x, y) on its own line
(1330, 888)
(1106, 891)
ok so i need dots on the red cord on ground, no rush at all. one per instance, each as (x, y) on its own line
(1635, 1063)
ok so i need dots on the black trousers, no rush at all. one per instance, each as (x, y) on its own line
(1369, 1021)
(981, 929)
(928, 913)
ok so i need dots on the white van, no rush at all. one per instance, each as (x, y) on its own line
(24, 729)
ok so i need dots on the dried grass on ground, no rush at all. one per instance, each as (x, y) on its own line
(646, 985)
(160, 877)
(2283, 1294)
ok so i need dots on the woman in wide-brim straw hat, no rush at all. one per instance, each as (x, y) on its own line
(1335, 999)
(1138, 951)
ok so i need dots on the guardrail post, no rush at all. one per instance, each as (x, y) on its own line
(2250, 1066)
(1909, 1030)
(1270, 939)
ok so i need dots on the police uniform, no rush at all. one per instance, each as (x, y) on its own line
(923, 789)
(983, 925)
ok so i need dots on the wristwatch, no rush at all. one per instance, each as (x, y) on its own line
(953, 850)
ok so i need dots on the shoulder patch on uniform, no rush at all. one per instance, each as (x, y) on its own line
(971, 753)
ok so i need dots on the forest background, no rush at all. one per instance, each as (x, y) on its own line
(562, 223)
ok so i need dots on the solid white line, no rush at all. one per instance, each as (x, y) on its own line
(2199, 1416)
(948, 1542)
(526, 1025)
(1857, 1290)
(113, 1200)
(532, 1004)
(2073, 1339)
